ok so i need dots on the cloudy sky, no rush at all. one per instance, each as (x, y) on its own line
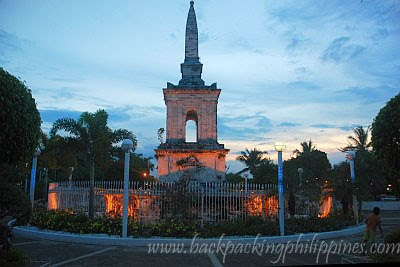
(289, 70)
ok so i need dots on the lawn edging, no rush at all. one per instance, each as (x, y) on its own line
(33, 232)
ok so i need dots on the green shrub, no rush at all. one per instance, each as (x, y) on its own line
(383, 257)
(64, 220)
(12, 257)
(14, 202)
(335, 221)
(393, 237)
(388, 256)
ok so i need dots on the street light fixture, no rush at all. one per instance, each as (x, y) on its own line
(246, 176)
(127, 146)
(300, 171)
(71, 170)
(33, 176)
(351, 156)
(280, 148)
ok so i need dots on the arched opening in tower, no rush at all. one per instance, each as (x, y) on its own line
(191, 127)
(191, 132)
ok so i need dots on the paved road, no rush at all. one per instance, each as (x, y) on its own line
(51, 253)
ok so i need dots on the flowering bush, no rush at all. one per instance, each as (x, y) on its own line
(64, 220)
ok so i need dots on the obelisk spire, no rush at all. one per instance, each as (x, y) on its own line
(192, 37)
(191, 68)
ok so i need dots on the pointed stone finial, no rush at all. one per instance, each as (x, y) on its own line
(191, 67)
(191, 38)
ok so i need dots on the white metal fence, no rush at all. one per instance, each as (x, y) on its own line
(154, 201)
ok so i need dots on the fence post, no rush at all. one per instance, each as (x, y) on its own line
(140, 203)
(202, 207)
(262, 203)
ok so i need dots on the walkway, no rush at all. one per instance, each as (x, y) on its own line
(50, 253)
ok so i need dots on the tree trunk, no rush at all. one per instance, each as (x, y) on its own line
(26, 184)
(91, 193)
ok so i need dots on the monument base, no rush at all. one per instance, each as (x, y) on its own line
(200, 165)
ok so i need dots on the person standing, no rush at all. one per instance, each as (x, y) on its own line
(373, 221)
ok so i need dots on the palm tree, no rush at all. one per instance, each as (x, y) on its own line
(360, 140)
(56, 153)
(253, 159)
(306, 147)
(91, 135)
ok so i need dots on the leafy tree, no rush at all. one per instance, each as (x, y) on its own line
(58, 156)
(139, 167)
(266, 173)
(91, 135)
(369, 183)
(370, 178)
(19, 121)
(19, 135)
(341, 186)
(234, 178)
(386, 138)
(252, 159)
(291, 203)
(316, 169)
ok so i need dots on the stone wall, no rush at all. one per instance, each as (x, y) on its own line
(197, 105)
(211, 165)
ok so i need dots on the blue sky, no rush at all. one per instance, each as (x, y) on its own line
(289, 70)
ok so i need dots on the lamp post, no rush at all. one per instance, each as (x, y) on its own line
(71, 170)
(246, 176)
(33, 175)
(350, 156)
(46, 186)
(127, 145)
(26, 177)
(300, 171)
(280, 148)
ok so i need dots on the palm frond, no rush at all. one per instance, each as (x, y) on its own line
(67, 124)
(360, 139)
(244, 170)
(120, 134)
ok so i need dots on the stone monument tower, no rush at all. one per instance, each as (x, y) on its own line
(191, 100)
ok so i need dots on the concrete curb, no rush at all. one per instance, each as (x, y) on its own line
(144, 242)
